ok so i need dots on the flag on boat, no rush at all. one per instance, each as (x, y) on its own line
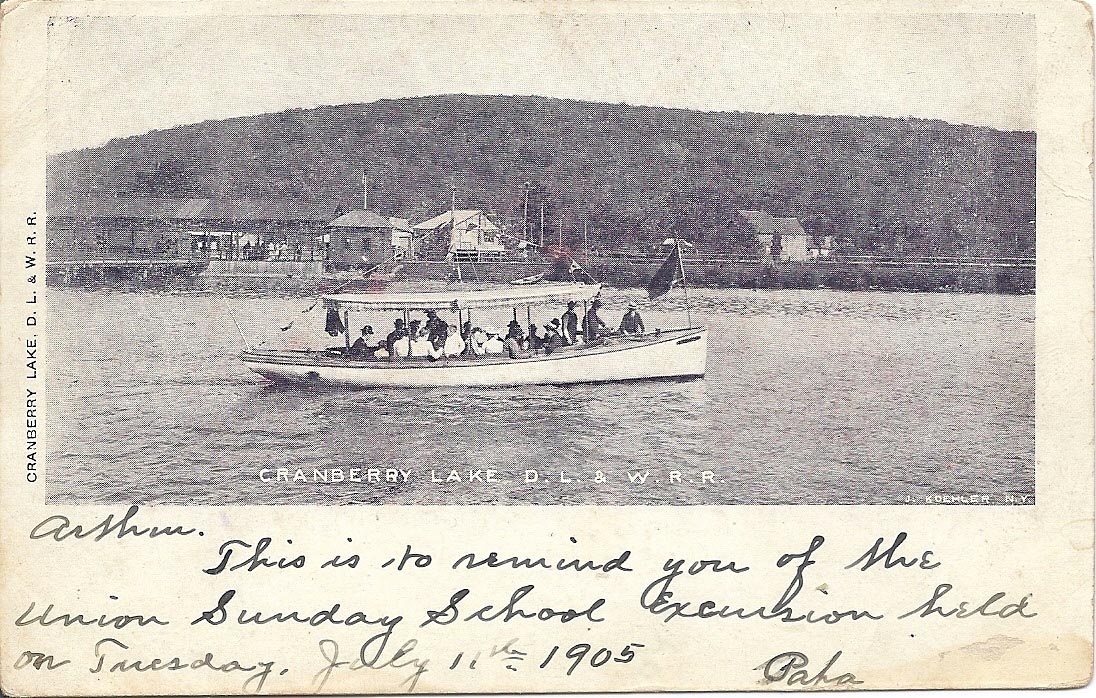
(334, 325)
(667, 275)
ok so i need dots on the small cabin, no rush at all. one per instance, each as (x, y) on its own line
(360, 238)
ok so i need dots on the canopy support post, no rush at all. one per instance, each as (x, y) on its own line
(529, 322)
(346, 330)
(407, 329)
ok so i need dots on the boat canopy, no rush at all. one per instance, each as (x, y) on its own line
(504, 297)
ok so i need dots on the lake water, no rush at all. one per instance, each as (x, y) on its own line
(811, 397)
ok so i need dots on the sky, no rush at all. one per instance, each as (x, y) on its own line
(114, 77)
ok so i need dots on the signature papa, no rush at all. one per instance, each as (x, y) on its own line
(793, 669)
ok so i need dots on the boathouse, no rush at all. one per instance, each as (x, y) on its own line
(471, 234)
(84, 228)
(89, 227)
(281, 229)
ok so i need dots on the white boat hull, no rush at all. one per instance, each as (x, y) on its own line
(670, 354)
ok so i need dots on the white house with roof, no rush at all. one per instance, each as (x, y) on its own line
(784, 239)
(472, 235)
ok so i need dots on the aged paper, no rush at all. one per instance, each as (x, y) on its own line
(477, 347)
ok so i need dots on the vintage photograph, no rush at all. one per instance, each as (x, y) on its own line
(473, 259)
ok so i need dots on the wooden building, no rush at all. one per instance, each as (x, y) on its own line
(81, 228)
(471, 235)
(360, 238)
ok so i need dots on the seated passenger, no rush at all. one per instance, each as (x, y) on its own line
(514, 326)
(493, 345)
(454, 345)
(513, 344)
(552, 338)
(401, 348)
(420, 345)
(365, 346)
(534, 342)
(631, 323)
(476, 340)
(394, 335)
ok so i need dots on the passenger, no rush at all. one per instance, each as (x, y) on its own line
(436, 328)
(434, 352)
(534, 342)
(513, 344)
(493, 345)
(515, 326)
(401, 348)
(476, 341)
(366, 345)
(592, 325)
(466, 331)
(631, 323)
(394, 335)
(552, 339)
(569, 331)
(420, 345)
(454, 345)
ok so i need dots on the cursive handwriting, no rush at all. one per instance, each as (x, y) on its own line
(59, 527)
(472, 561)
(372, 655)
(791, 668)
(48, 617)
(332, 616)
(657, 598)
(511, 610)
(965, 610)
(258, 672)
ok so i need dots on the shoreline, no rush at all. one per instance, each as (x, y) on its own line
(958, 276)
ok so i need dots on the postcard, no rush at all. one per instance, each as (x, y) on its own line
(371, 347)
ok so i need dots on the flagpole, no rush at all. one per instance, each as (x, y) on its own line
(684, 286)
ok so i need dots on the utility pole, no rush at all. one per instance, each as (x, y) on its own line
(560, 231)
(586, 237)
(542, 225)
(365, 191)
(525, 216)
(454, 240)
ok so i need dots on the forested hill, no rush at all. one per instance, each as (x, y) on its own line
(634, 173)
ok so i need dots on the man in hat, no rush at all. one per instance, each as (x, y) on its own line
(592, 325)
(552, 340)
(631, 323)
(366, 345)
(436, 328)
(569, 329)
(533, 339)
(513, 343)
(513, 328)
(395, 334)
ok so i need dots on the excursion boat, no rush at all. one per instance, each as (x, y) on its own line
(673, 353)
